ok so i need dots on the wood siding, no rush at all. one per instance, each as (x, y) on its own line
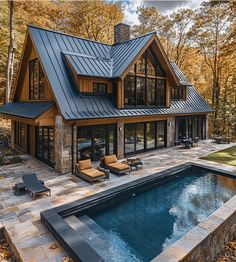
(22, 87)
(85, 84)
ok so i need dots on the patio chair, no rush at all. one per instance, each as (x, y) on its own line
(86, 171)
(34, 186)
(225, 139)
(111, 163)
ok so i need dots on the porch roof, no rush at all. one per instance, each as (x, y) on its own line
(29, 110)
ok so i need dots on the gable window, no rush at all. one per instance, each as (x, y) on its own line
(36, 81)
(143, 86)
(177, 93)
(100, 88)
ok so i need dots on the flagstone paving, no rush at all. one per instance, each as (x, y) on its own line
(20, 215)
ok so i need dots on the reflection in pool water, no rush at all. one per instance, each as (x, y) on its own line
(141, 227)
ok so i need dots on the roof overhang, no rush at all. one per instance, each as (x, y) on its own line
(36, 113)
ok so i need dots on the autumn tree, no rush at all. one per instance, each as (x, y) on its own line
(210, 31)
(95, 20)
(10, 58)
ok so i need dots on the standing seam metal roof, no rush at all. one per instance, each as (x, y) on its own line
(54, 47)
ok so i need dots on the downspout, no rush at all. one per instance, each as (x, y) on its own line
(72, 148)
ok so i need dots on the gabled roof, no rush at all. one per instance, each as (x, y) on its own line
(182, 79)
(98, 59)
(29, 110)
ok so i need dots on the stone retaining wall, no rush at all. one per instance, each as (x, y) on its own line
(5, 133)
(205, 241)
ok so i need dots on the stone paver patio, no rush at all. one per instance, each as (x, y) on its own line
(20, 216)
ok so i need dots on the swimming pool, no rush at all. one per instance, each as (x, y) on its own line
(137, 221)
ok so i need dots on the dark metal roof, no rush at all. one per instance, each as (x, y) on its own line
(54, 47)
(102, 107)
(90, 65)
(182, 79)
(30, 110)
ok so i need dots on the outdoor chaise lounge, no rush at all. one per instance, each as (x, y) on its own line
(34, 186)
(86, 171)
(111, 163)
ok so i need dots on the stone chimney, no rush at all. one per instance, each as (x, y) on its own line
(121, 33)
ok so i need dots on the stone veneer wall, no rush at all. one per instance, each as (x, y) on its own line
(170, 131)
(205, 241)
(120, 139)
(63, 146)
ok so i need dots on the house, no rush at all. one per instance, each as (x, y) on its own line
(76, 98)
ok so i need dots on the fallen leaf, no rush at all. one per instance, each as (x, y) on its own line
(53, 246)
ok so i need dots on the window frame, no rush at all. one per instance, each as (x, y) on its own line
(40, 95)
(146, 78)
(100, 84)
(176, 93)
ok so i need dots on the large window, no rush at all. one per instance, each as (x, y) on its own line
(44, 149)
(96, 141)
(145, 84)
(140, 137)
(36, 81)
(190, 127)
(19, 134)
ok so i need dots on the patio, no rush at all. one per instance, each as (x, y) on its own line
(20, 216)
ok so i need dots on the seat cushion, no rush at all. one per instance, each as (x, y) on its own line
(85, 164)
(119, 166)
(92, 172)
(110, 159)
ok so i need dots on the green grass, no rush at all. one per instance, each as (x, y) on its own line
(226, 156)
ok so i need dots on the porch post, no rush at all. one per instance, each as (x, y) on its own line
(206, 126)
(120, 139)
(12, 134)
(63, 146)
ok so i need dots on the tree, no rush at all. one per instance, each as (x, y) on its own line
(10, 59)
(95, 20)
(210, 33)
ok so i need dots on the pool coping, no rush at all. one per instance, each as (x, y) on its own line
(77, 248)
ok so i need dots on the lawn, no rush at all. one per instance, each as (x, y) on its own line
(226, 156)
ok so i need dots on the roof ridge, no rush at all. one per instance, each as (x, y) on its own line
(86, 39)
(85, 55)
(62, 33)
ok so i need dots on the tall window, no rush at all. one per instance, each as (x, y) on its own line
(143, 86)
(96, 141)
(19, 134)
(141, 137)
(36, 81)
(45, 144)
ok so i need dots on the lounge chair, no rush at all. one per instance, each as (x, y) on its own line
(111, 163)
(86, 171)
(34, 186)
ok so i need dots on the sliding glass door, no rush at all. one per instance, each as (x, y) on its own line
(140, 137)
(44, 144)
(96, 141)
(190, 127)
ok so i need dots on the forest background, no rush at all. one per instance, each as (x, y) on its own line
(202, 42)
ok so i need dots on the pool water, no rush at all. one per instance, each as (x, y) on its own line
(143, 225)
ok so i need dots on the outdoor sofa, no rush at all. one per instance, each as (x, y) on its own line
(110, 162)
(34, 186)
(86, 171)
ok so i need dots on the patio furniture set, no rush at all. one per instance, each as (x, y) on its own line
(84, 169)
(187, 143)
(220, 139)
